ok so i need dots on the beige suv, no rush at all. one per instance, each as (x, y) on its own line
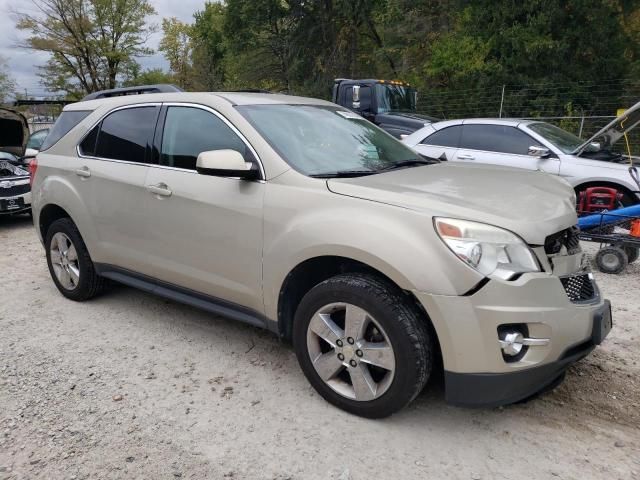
(299, 216)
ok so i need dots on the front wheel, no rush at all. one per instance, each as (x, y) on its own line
(362, 345)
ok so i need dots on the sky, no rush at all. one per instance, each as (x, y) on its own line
(23, 64)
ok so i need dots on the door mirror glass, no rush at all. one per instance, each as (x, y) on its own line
(541, 152)
(225, 163)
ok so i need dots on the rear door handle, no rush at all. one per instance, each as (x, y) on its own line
(83, 172)
(466, 157)
(160, 189)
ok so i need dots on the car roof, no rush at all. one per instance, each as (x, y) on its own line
(513, 122)
(234, 98)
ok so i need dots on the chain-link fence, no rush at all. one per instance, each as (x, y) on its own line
(582, 108)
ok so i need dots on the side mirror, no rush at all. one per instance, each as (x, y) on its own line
(355, 96)
(540, 152)
(225, 163)
(595, 146)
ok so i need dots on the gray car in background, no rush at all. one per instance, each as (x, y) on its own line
(535, 145)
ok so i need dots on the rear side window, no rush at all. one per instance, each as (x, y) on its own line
(191, 131)
(125, 135)
(65, 122)
(447, 137)
(496, 138)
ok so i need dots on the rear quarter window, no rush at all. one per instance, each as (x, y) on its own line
(65, 122)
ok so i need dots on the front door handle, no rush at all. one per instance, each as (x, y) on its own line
(160, 189)
(83, 172)
(466, 157)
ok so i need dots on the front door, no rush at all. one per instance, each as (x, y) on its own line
(205, 232)
(502, 145)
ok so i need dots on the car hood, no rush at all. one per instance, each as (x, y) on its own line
(530, 204)
(14, 132)
(614, 130)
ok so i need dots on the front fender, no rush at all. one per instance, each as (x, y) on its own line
(399, 243)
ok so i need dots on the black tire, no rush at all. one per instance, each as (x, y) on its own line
(611, 260)
(632, 253)
(405, 328)
(90, 283)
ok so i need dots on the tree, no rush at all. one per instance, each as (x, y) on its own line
(209, 47)
(7, 85)
(177, 47)
(152, 76)
(91, 42)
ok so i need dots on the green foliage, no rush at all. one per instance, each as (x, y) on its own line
(152, 76)
(91, 42)
(177, 47)
(444, 47)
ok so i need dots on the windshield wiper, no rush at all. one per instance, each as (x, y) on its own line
(410, 163)
(344, 174)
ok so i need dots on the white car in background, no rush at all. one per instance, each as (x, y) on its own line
(535, 145)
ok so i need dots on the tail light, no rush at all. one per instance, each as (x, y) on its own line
(33, 166)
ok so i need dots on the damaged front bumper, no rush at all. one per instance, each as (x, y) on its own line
(563, 307)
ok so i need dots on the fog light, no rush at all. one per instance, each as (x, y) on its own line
(511, 343)
(514, 344)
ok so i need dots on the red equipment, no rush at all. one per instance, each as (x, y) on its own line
(597, 199)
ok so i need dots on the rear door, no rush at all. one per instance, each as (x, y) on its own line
(442, 144)
(503, 145)
(204, 232)
(111, 169)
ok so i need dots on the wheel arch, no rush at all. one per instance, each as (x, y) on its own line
(310, 272)
(624, 189)
(49, 214)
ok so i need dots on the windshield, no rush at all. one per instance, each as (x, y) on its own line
(36, 139)
(318, 140)
(565, 141)
(395, 98)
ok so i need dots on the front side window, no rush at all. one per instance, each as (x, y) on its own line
(65, 122)
(496, 138)
(190, 131)
(559, 138)
(126, 134)
(322, 140)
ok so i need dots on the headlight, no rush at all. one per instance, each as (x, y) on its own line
(490, 250)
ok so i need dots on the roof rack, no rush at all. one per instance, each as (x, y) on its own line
(250, 90)
(119, 92)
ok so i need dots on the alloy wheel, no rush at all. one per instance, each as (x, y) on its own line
(64, 260)
(350, 351)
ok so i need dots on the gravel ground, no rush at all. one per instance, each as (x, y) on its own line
(134, 386)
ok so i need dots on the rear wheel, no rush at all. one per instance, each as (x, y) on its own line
(362, 345)
(611, 260)
(69, 262)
